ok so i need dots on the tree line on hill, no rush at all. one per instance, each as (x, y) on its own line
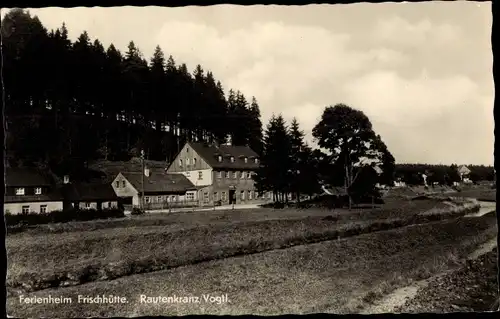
(68, 103)
(411, 174)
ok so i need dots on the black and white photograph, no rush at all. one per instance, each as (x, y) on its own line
(249, 160)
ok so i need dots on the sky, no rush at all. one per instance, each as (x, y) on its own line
(422, 72)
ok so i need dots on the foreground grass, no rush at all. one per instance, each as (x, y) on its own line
(38, 262)
(337, 276)
(472, 287)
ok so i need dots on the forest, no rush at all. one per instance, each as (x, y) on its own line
(68, 103)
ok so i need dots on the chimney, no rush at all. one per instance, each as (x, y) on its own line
(146, 172)
(66, 179)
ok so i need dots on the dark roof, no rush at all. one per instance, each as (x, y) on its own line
(26, 177)
(112, 168)
(159, 182)
(54, 196)
(210, 154)
(88, 192)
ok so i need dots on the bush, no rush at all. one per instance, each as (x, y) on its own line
(61, 216)
(137, 211)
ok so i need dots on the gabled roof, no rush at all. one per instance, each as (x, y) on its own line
(210, 154)
(159, 182)
(88, 192)
(112, 168)
(26, 177)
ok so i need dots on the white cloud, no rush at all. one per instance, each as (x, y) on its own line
(396, 30)
(426, 117)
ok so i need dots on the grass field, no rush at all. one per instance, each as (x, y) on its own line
(487, 195)
(394, 207)
(338, 276)
(43, 257)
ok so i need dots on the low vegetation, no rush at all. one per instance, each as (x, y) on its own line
(335, 276)
(59, 216)
(81, 256)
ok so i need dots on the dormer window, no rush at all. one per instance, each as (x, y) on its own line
(220, 158)
(232, 159)
(246, 160)
(19, 191)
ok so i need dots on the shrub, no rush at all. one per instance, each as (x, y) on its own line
(61, 216)
(137, 211)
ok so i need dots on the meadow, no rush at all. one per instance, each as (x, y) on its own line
(69, 254)
(335, 276)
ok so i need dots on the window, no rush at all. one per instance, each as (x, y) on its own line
(242, 195)
(242, 175)
(235, 174)
(219, 174)
(200, 175)
(194, 161)
(123, 183)
(187, 161)
(25, 209)
(87, 205)
(158, 199)
(256, 161)
(215, 196)
(246, 160)
(232, 159)
(206, 197)
(117, 184)
(250, 194)
(19, 191)
(227, 174)
(220, 158)
(187, 149)
(43, 209)
(249, 175)
(223, 196)
(38, 191)
(189, 196)
(146, 199)
(180, 162)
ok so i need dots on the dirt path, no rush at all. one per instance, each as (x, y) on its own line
(397, 299)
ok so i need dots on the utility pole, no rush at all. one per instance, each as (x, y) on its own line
(142, 173)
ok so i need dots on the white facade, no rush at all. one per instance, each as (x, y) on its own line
(123, 188)
(199, 177)
(33, 207)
